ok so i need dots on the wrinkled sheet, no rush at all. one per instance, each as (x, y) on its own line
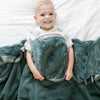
(80, 19)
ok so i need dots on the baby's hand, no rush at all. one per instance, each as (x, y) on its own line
(37, 75)
(68, 74)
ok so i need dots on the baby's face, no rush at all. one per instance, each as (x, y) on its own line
(45, 17)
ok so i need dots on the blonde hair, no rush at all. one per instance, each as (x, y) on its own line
(41, 3)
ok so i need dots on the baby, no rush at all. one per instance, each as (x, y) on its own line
(45, 17)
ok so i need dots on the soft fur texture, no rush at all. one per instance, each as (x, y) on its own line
(87, 59)
(18, 83)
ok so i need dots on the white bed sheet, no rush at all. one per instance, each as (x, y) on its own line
(80, 19)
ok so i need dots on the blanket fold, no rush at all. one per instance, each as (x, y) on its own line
(87, 59)
(51, 58)
(12, 62)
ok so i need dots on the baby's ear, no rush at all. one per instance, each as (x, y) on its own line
(35, 18)
(55, 15)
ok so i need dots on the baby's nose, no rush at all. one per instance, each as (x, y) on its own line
(47, 16)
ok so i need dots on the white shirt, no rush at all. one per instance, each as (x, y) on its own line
(41, 34)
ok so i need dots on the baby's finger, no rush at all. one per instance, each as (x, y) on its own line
(68, 78)
(42, 78)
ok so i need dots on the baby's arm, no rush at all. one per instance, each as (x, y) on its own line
(32, 67)
(69, 71)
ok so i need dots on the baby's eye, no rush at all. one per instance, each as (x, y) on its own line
(42, 14)
(51, 14)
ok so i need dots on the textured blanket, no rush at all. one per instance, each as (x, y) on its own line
(50, 57)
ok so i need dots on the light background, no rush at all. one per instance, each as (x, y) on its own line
(80, 19)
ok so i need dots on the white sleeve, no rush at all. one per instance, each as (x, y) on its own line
(66, 37)
(31, 37)
(28, 43)
(68, 40)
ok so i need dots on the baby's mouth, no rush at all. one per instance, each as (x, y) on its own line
(47, 22)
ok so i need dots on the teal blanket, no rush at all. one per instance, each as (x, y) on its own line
(50, 57)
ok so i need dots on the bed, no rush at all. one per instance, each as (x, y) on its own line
(80, 19)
